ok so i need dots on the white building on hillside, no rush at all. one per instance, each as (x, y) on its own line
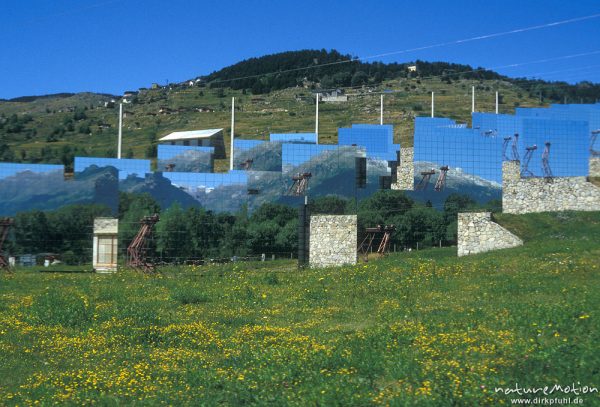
(203, 138)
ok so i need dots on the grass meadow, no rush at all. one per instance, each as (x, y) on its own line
(422, 328)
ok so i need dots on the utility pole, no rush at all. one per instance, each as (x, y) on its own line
(317, 118)
(232, 132)
(381, 110)
(496, 102)
(120, 130)
(473, 99)
(432, 104)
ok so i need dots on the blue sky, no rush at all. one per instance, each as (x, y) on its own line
(115, 45)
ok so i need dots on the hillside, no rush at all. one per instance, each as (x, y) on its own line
(419, 328)
(54, 128)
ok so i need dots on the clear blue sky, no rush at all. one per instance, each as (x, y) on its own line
(116, 45)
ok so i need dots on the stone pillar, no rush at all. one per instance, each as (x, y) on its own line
(406, 170)
(477, 233)
(105, 252)
(511, 177)
(333, 240)
(511, 171)
(594, 167)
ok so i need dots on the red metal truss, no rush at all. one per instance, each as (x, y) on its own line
(300, 184)
(383, 232)
(137, 250)
(441, 181)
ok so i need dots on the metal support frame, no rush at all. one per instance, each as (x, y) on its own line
(426, 176)
(303, 234)
(441, 181)
(528, 154)
(5, 225)
(246, 165)
(371, 234)
(505, 148)
(384, 246)
(546, 161)
(515, 147)
(300, 184)
(137, 249)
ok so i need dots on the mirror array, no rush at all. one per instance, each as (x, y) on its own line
(42, 187)
(126, 167)
(185, 158)
(568, 140)
(290, 166)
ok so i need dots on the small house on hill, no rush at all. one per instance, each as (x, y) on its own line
(202, 138)
(336, 95)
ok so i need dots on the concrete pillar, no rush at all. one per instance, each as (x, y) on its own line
(105, 251)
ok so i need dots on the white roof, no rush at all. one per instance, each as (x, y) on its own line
(193, 134)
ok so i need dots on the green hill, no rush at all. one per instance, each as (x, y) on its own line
(420, 328)
(54, 128)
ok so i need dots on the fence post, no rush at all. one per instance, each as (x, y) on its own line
(303, 234)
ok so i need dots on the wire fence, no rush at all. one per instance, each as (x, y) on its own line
(32, 241)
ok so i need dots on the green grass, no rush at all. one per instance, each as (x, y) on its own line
(420, 328)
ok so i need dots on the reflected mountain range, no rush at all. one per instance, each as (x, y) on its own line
(30, 190)
(189, 161)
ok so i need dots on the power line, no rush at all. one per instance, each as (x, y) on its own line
(576, 71)
(513, 65)
(488, 36)
(539, 61)
(438, 45)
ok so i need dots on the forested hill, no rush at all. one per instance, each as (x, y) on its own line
(331, 69)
